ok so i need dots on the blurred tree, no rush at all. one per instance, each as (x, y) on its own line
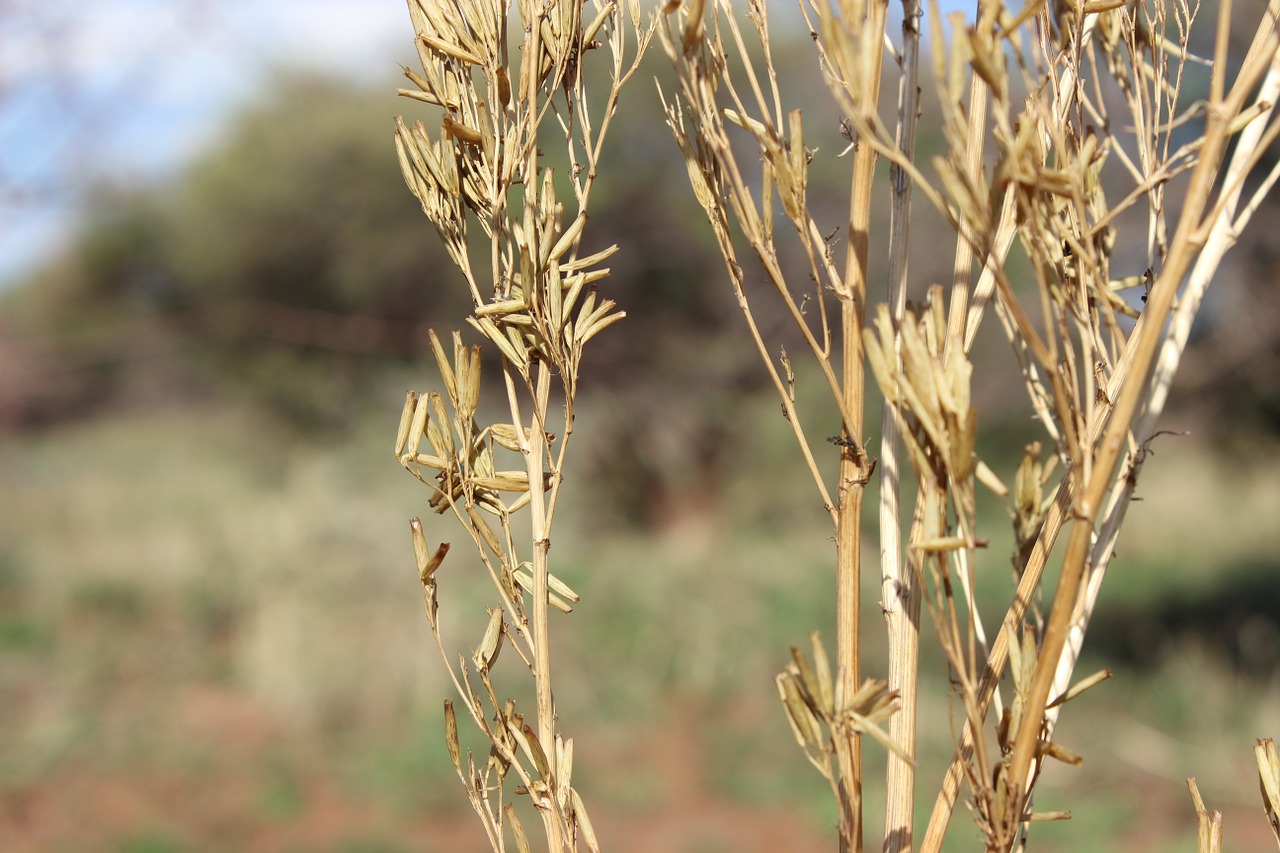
(286, 262)
(299, 203)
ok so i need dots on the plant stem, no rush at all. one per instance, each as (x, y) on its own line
(852, 486)
(855, 467)
(1184, 248)
(848, 603)
(537, 451)
(900, 590)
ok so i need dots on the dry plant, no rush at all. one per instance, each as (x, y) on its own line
(1062, 123)
(536, 306)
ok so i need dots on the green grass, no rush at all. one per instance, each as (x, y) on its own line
(151, 843)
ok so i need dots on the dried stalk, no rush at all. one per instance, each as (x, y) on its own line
(1028, 168)
(900, 589)
(697, 49)
(537, 315)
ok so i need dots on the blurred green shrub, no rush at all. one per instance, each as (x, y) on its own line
(287, 265)
(283, 264)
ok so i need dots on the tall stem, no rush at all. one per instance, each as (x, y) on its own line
(1186, 244)
(541, 533)
(900, 591)
(848, 597)
(849, 497)
(855, 466)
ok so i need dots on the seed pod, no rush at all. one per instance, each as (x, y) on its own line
(1061, 753)
(427, 562)
(589, 34)
(491, 644)
(486, 533)
(417, 426)
(406, 420)
(536, 752)
(1080, 686)
(822, 669)
(449, 50)
(799, 156)
(452, 127)
(564, 766)
(693, 27)
(451, 735)
(504, 86)
(517, 828)
(584, 822)
(468, 382)
(569, 236)
(804, 723)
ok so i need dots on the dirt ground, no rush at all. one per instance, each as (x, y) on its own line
(215, 800)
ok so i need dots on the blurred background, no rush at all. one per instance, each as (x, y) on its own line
(215, 292)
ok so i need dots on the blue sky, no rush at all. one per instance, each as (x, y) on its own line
(130, 90)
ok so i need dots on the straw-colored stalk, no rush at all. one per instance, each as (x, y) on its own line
(535, 304)
(1036, 105)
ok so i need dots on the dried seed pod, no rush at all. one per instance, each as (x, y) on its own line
(411, 149)
(504, 481)
(1269, 781)
(1080, 687)
(506, 306)
(443, 365)
(524, 578)
(417, 426)
(590, 31)
(504, 86)
(693, 27)
(799, 155)
(487, 652)
(597, 321)
(584, 822)
(575, 284)
(438, 433)
(447, 50)
(485, 532)
(426, 157)
(451, 736)
(589, 261)
(555, 292)
(468, 382)
(406, 420)
(570, 235)
(806, 680)
(418, 80)
(766, 201)
(459, 131)
(536, 753)
(507, 437)
(986, 476)
(1061, 753)
(490, 330)
(804, 722)
(427, 561)
(517, 828)
(436, 462)
(564, 767)
(411, 177)
(487, 143)
(822, 669)
(515, 729)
